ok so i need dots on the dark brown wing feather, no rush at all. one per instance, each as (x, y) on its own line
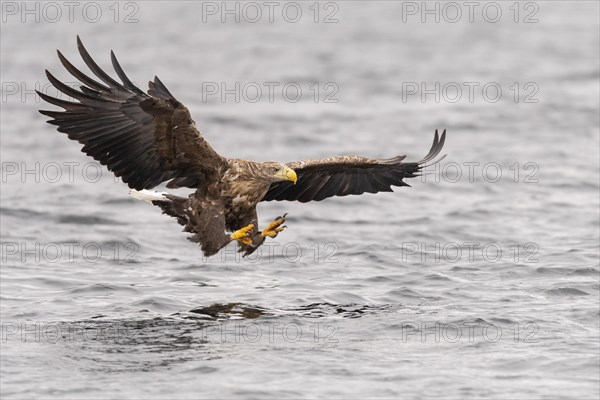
(144, 138)
(346, 175)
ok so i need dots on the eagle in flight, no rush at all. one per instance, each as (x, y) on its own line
(149, 138)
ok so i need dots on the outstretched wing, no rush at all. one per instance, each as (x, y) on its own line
(345, 175)
(144, 138)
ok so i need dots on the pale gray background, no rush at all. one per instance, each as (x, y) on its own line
(372, 297)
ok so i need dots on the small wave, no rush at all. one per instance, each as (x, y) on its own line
(101, 288)
(319, 310)
(86, 220)
(566, 291)
(23, 213)
(409, 294)
(156, 303)
(590, 271)
(438, 278)
(119, 200)
(505, 321)
(465, 269)
(379, 279)
(551, 270)
(472, 321)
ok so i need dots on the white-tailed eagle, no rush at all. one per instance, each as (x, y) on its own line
(149, 138)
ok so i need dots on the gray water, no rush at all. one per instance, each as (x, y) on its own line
(476, 285)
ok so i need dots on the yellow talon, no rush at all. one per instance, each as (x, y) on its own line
(274, 227)
(243, 235)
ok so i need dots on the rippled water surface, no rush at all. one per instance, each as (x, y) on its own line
(463, 286)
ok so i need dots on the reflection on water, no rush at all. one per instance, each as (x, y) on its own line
(231, 309)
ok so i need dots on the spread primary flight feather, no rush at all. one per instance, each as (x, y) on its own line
(149, 138)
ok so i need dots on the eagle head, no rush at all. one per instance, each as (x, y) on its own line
(280, 172)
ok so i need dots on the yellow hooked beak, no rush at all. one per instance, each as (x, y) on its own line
(286, 174)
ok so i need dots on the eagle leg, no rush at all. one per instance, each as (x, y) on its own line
(243, 235)
(257, 241)
(273, 229)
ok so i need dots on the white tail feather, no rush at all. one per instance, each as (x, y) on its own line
(147, 195)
